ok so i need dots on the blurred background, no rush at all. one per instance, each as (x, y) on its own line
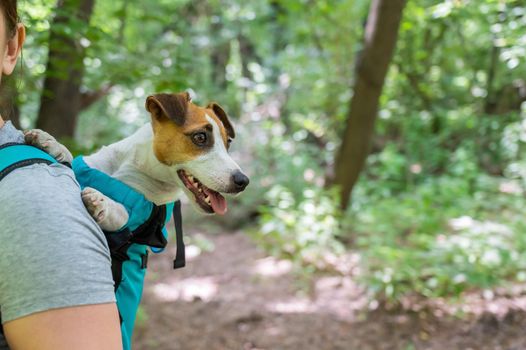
(385, 144)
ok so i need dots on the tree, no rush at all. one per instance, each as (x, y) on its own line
(380, 37)
(62, 100)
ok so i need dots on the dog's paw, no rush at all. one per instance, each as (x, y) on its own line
(49, 144)
(95, 203)
(110, 215)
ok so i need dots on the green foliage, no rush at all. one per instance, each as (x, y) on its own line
(304, 230)
(298, 220)
(444, 236)
(441, 235)
(431, 214)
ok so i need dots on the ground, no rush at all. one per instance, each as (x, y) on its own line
(236, 297)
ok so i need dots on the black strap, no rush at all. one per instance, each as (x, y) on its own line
(9, 144)
(116, 269)
(118, 242)
(144, 260)
(180, 259)
(150, 233)
(22, 164)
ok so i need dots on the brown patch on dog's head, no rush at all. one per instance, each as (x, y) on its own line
(176, 121)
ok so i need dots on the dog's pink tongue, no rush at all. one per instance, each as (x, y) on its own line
(218, 203)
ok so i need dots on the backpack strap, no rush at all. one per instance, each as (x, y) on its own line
(150, 233)
(180, 260)
(18, 155)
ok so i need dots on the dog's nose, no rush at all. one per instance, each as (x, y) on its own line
(240, 180)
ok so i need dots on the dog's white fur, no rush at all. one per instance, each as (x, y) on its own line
(133, 162)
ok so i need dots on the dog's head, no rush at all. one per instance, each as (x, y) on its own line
(194, 142)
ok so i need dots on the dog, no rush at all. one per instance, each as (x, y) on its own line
(184, 147)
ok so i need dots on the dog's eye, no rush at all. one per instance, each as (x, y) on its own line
(199, 138)
(228, 142)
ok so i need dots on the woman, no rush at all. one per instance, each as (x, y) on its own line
(56, 288)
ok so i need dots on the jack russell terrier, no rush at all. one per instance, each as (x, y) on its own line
(184, 147)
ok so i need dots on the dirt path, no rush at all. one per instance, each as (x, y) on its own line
(237, 298)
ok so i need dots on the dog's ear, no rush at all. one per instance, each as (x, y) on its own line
(169, 106)
(221, 114)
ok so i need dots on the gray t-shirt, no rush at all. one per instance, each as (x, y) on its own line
(52, 253)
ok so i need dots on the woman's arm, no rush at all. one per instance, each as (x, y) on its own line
(56, 289)
(90, 327)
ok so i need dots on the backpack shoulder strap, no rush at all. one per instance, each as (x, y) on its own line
(18, 155)
(180, 260)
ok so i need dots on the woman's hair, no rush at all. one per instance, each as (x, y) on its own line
(9, 110)
(9, 8)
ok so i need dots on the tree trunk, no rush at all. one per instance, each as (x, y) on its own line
(61, 102)
(381, 32)
(219, 57)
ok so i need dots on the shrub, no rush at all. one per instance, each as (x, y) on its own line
(304, 229)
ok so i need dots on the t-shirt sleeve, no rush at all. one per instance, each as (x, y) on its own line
(53, 254)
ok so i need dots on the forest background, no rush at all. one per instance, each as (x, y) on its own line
(388, 130)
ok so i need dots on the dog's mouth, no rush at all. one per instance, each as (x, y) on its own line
(209, 200)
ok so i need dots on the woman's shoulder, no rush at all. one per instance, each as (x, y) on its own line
(9, 134)
(41, 187)
(45, 197)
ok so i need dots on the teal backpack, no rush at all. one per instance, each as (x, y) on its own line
(129, 247)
